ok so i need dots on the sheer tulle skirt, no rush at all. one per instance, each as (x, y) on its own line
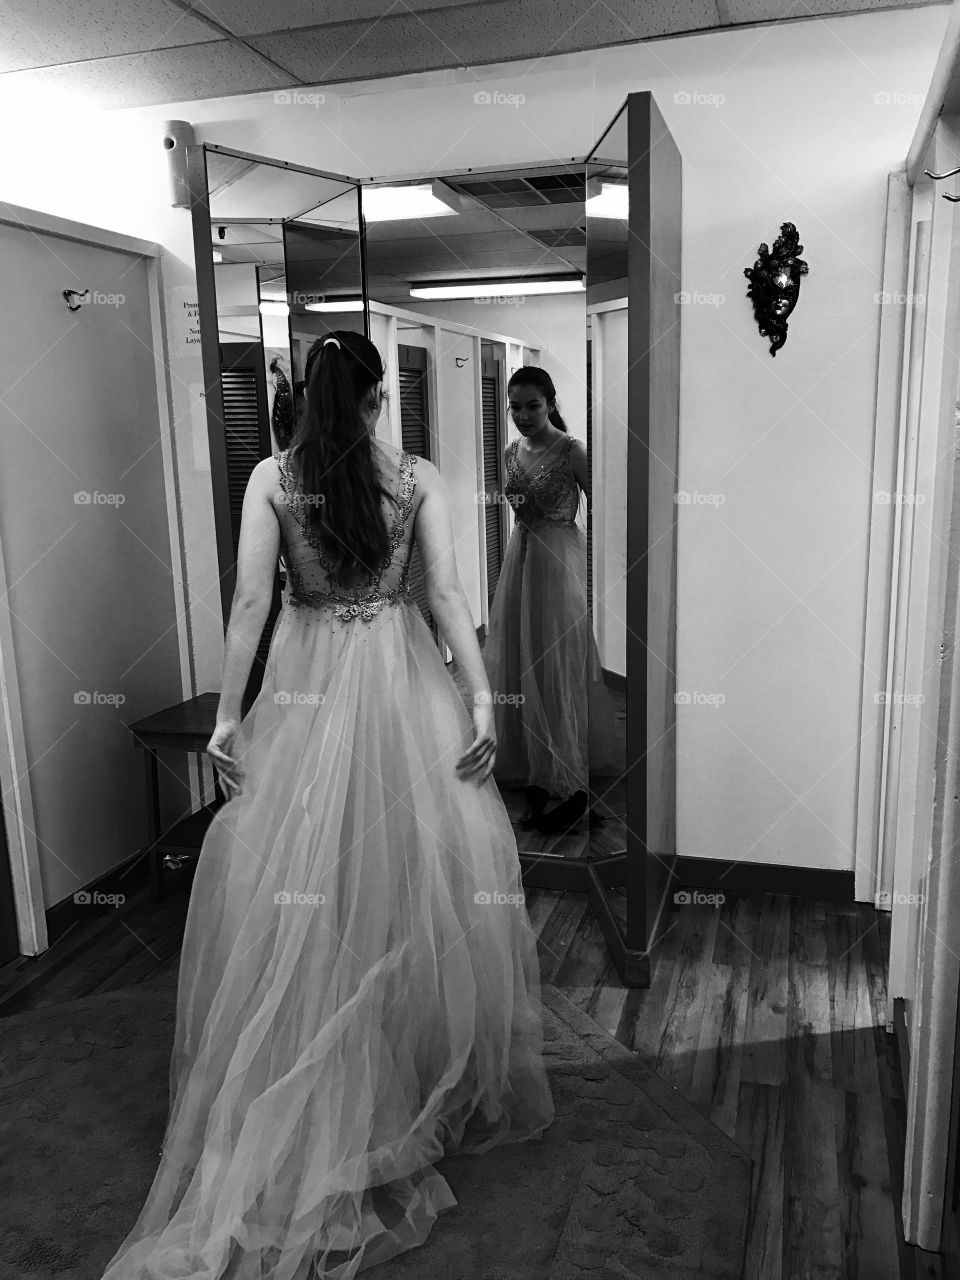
(556, 723)
(359, 990)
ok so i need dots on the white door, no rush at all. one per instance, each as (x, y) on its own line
(91, 634)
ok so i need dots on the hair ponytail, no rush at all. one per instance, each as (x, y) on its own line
(332, 453)
(531, 376)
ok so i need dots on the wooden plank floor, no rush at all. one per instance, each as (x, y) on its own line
(767, 1013)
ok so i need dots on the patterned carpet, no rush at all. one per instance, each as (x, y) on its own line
(629, 1181)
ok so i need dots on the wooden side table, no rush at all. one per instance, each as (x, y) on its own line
(187, 726)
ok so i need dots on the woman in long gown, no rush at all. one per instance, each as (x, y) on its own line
(359, 990)
(555, 721)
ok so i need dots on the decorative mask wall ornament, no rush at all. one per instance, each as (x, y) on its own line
(775, 284)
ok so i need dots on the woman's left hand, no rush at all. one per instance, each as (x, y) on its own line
(219, 750)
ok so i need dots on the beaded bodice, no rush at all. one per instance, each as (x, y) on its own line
(548, 496)
(314, 579)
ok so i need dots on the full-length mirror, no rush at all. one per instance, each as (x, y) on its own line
(497, 301)
(477, 290)
(476, 286)
(633, 265)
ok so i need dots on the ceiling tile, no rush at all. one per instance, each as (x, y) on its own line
(128, 53)
(216, 69)
(41, 33)
(750, 11)
(472, 36)
(253, 17)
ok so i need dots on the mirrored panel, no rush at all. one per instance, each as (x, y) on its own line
(476, 285)
(498, 301)
(252, 333)
(477, 288)
(634, 174)
(324, 279)
(607, 324)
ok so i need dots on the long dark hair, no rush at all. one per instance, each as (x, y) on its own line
(282, 418)
(530, 376)
(331, 454)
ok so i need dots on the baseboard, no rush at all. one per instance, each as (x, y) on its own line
(723, 876)
(124, 879)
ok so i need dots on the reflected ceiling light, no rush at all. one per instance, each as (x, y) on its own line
(497, 288)
(274, 309)
(424, 200)
(609, 200)
(335, 304)
(217, 255)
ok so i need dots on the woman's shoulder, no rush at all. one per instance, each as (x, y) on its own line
(268, 469)
(423, 469)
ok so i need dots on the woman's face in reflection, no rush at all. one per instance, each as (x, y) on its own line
(529, 407)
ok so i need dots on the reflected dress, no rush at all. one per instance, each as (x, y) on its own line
(555, 720)
(359, 989)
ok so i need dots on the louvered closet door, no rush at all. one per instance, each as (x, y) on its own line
(247, 426)
(493, 512)
(415, 438)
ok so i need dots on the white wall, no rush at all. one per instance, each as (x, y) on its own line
(771, 581)
(457, 457)
(108, 169)
(236, 286)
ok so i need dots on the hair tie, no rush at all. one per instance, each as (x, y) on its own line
(336, 340)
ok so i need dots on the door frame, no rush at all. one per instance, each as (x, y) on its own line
(903, 836)
(934, 963)
(19, 813)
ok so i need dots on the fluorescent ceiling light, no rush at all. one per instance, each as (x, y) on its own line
(387, 204)
(496, 288)
(610, 202)
(274, 309)
(345, 304)
(217, 255)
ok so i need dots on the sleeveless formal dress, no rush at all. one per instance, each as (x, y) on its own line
(555, 720)
(359, 989)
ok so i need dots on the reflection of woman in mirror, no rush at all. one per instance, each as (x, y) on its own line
(359, 989)
(281, 419)
(554, 716)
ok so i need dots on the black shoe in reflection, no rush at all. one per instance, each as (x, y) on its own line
(536, 801)
(564, 815)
